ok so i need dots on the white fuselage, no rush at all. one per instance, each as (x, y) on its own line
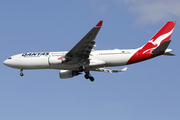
(82, 57)
(44, 60)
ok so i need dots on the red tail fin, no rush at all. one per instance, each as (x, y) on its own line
(161, 36)
(156, 46)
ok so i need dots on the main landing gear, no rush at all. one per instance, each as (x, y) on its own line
(87, 73)
(88, 76)
(21, 72)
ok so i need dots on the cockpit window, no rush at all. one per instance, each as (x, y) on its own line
(9, 58)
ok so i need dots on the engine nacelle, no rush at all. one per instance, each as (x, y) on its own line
(68, 74)
(54, 60)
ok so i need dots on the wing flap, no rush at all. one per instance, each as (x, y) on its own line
(110, 70)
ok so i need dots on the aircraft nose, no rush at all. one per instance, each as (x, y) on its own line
(5, 62)
(8, 63)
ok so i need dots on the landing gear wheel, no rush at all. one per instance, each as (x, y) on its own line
(91, 79)
(21, 74)
(86, 76)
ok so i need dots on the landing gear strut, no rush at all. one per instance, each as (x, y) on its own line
(88, 76)
(81, 68)
(21, 72)
(87, 73)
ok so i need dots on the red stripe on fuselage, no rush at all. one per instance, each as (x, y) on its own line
(140, 55)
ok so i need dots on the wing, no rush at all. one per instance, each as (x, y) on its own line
(110, 70)
(80, 52)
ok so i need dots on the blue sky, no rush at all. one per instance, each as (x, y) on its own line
(146, 91)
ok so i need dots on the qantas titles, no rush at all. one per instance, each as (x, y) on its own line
(35, 54)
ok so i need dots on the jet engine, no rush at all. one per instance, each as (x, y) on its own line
(68, 73)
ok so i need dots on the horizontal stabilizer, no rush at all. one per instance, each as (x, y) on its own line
(161, 48)
(169, 54)
(110, 70)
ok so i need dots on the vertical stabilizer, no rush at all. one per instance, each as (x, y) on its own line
(164, 34)
(157, 45)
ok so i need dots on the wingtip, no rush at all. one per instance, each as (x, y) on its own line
(172, 22)
(124, 69)
(99, 24)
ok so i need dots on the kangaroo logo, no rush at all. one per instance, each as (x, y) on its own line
(153, 43)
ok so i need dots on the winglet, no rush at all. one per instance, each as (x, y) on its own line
(99, 24)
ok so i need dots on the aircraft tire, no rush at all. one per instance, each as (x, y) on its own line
(91, 79)
(86, 76)
(21, 74)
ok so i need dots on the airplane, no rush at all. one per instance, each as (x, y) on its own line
(83, 58)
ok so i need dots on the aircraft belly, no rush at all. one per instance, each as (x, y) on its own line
(35, 63)
(65, 66)
(94, 63)
(118, 60)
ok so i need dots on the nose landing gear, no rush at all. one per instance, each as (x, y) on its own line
(21, 72)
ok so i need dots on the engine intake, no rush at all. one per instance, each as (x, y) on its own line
(68, 74)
